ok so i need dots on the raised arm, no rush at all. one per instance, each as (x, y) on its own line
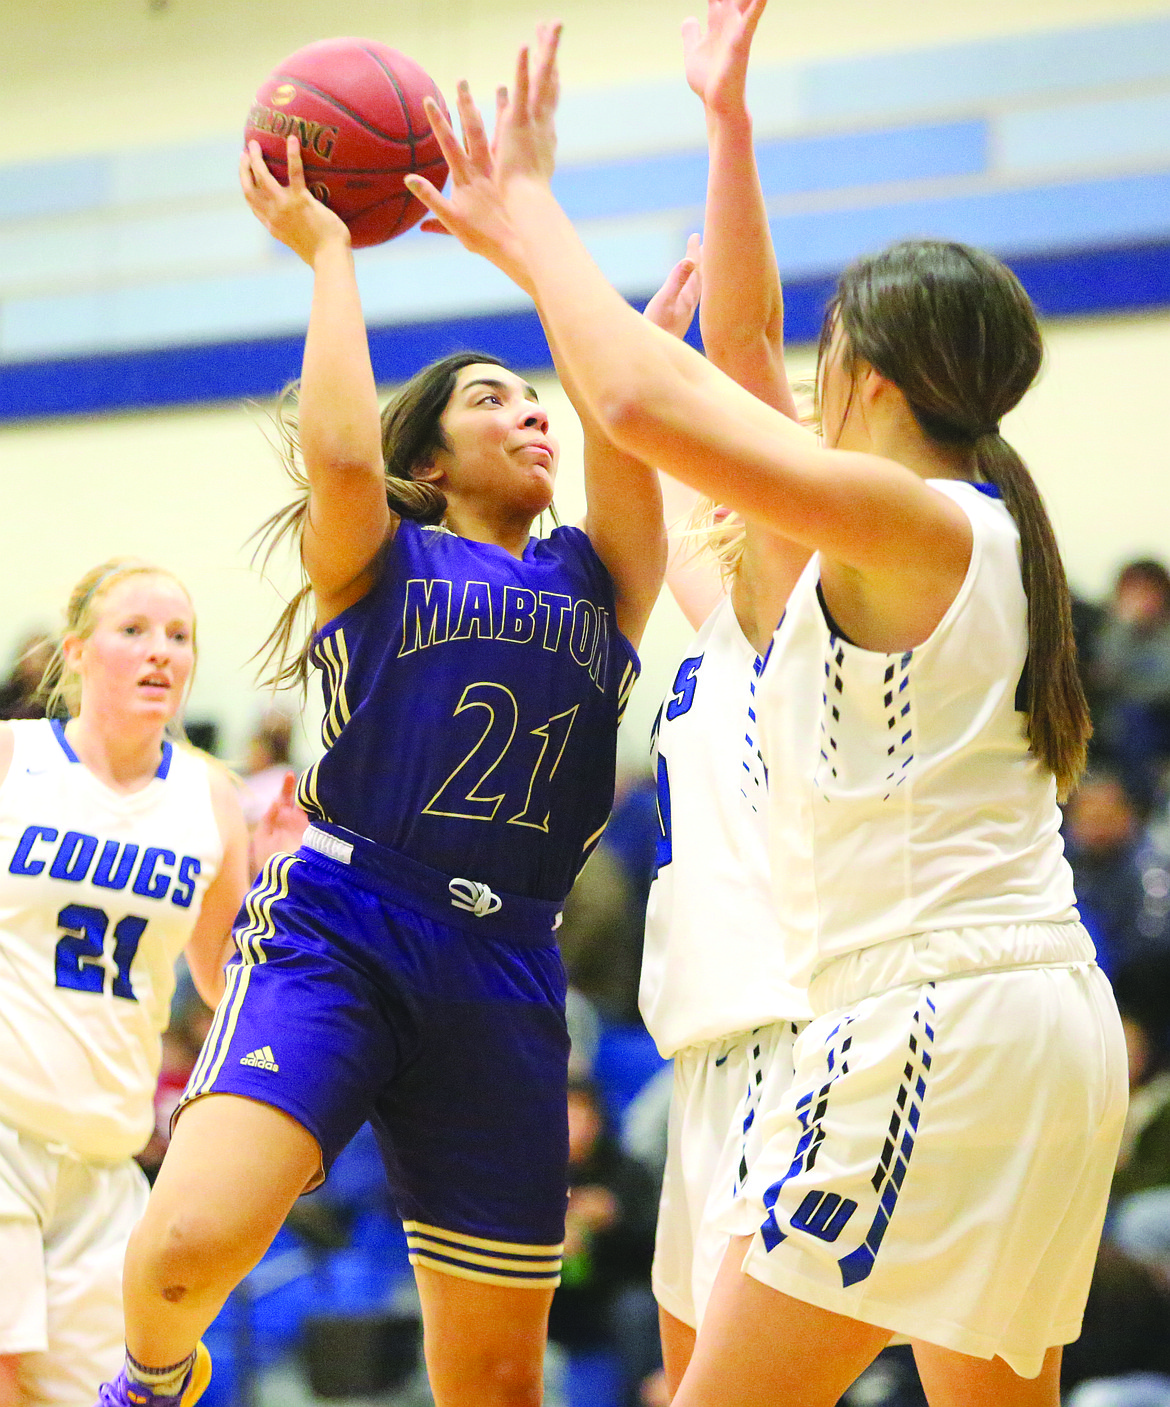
(631, 513)
(623, 505)
(339, 424)
(904, 545)
(742, 313)
(693, 576)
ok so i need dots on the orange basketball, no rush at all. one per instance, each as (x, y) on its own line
(356, 107)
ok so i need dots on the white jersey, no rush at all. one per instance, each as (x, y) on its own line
(904, 797)
(99, 893)
(713, 962)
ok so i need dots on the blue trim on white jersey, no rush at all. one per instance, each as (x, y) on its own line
(59, 733)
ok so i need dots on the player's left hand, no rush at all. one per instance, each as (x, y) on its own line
(280, 829)
(474, 211)
(716, 60)
(292, 214)
(673, 307)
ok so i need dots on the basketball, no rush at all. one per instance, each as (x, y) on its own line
(356, 107)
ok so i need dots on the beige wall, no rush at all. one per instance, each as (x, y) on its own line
(188, 488)
(88, 75)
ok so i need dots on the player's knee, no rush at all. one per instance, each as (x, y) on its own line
(183, 1253)
(514, 1382)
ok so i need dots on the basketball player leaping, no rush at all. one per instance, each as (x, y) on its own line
(402, 967)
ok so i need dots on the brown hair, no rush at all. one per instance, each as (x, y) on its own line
(412, 434)
(60, 687)
(955, 331)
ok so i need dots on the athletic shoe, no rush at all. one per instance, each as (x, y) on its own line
(124, 1393)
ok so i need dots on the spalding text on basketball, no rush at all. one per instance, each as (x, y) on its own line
(313, 136)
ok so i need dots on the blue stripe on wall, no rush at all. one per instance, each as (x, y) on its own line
(1081, 282)
(787, 166)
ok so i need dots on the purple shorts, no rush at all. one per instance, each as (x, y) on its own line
(366, 986)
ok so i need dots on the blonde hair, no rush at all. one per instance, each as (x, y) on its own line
(60, 686)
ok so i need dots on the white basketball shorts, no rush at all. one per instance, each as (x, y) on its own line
(64, 1225)
(713, 1137)
(941, 1164)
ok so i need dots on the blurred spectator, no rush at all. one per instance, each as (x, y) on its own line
(632, 833)
(584, 1025)
(604, 1299)
(266, 763)
(1121, 867)
(1144, 1157)
(1126, 1326)
(1124, 1349)
(19, 692)
(601, 937)
(1131, 671)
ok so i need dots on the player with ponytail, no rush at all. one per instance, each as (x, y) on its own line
(940, 1167)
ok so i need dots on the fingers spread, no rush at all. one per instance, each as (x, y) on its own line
(434, 200)
(520, 88)
(547, 80)
(453, 153)
(474, 137)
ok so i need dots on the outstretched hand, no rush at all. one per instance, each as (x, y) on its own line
(474, 211)
(673, 307)
(716, 61)
(523, 145)
(292, 214)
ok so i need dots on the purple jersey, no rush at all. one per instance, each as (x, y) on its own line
(471, 707)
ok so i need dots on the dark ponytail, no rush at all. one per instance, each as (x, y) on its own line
(412, 434)
(1059, 726)
(955, 331)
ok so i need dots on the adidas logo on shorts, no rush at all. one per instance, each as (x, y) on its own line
(262, 1059)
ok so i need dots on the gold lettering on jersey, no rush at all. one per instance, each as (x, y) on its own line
(475, 614)
(556, 606)
(509, 613)
(518, 619)
(426, 614)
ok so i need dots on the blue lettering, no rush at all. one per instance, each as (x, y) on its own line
(125, 855)
(425, 621)
(189, 867)
(74, 856)
(20, 862)
(823, 1215)
(146, 882)
(555, 606)
(583, 635)
(518, 622)
(683, 688)
(475, 614)
(663, 846)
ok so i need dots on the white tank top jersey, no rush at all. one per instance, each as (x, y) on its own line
(713, 962)
(904, 797)
(99, 893)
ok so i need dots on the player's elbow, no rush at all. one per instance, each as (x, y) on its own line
(632, 414)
